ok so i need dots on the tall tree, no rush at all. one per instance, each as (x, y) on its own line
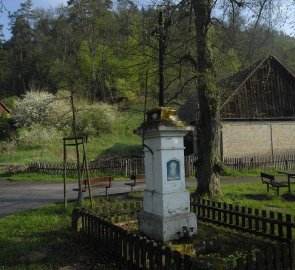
(208, 168)
(208, 165)
(4, 66)
(21, 45)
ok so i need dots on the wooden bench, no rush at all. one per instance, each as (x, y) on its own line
(105, 181)
(270, 182)
(135, 179)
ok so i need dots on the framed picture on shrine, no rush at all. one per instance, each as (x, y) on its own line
(173, 170)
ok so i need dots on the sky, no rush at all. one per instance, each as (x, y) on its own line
(13, 5)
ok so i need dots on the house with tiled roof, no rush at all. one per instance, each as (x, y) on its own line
(257, 111)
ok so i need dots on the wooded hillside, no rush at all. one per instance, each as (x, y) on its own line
(106, 50)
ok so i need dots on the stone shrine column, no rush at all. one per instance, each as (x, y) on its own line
(166, 202)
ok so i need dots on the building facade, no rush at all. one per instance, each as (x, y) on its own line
(257, 112)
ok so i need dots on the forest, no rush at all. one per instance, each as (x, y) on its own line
(108, 51)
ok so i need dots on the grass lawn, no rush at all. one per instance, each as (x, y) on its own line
(42, 238)
(33, 177)
(117, 143)
(254, 195)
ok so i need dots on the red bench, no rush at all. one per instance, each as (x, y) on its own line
(135, 179)
(105, 181)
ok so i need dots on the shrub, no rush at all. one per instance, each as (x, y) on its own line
(7, 129)
(9, 102)
(8, 146)
(37, 134)
(47, 110)
(95, 119)
(41, 108)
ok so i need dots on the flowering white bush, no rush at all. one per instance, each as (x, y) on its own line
(39, 135)
(40, 108)
(48, 114)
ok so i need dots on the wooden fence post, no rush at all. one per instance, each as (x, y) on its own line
(292, 255)
(289, 226)
(76, 219)
(168, 254)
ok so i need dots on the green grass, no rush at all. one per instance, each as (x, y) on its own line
(227, 246)
(33, 177)
(228, 172)
(119, 142)
(42, 239)
(32, 231)
(254, 195)
(43, 177)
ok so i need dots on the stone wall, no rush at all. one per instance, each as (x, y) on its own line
(247, 138)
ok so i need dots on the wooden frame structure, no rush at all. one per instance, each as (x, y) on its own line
(81, 167)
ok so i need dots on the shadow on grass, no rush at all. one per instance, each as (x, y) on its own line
(6, 174)
(289, 197)
(259, 197)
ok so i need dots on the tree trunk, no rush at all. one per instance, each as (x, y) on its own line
(208, 160)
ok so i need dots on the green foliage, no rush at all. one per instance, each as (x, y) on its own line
(9, 101)
(5, 128)
(7, 146)
(95, 119)
(119, 141)
(38, 135)
(227, 62)
(102, 53)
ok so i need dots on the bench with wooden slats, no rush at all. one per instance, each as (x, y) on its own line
(105, 182)
(269, 181)
(135, 179)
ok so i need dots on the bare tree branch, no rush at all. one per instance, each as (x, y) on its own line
(180, 90)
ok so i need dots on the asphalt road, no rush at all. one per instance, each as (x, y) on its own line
(20, 196)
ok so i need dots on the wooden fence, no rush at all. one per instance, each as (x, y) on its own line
(125, 166)
(133, 251)
(278, 162)
(269, 224)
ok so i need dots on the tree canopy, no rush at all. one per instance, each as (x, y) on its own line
(104, 49)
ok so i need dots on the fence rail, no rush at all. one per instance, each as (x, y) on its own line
(126, 166)
(132, 251)
(278, 162)
(268, 224)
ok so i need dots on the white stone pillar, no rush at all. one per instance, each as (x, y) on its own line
(166, 203)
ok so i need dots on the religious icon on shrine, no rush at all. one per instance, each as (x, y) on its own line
(173, 170)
